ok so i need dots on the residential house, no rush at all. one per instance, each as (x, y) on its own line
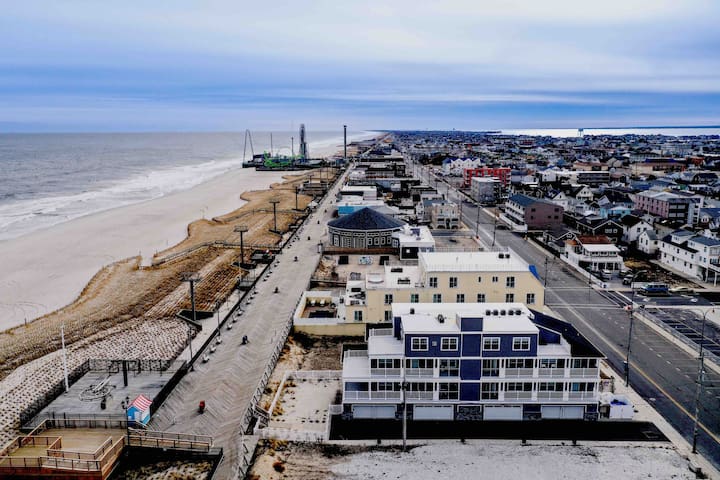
(593, 253)
(633, 226)
(647, 242)
(486, 361)
(696, 256)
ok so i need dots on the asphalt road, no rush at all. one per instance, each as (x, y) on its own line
(660, 371)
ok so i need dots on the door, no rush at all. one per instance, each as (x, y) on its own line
(433, 412)
(373, 411)
(566, 412)
(503, 412)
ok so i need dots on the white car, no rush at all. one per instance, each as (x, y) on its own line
(681, 290)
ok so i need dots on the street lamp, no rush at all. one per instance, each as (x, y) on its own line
(241, 229)
(274, 202)
(630, 308)
(700, 379)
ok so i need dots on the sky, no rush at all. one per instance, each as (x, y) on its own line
(229, 65)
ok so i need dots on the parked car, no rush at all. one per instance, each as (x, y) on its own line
(681, 290)
(606, 274)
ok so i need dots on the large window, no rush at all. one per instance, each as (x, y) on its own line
(460, 298)
(518, 387)
(388, 299)
(385, 387)
(530, 299)
(449, 391)
(519, 363)
(480, 298)
(419, 344)
(550, 387)
(510, 282)
(432, 282)
(437, 298)
(414, 298)
(552, 363)
(385, 363)
(449, 367)
(358, 315)
(453, 282)
(491, 367)
(448, 343)
(582, 387)
(491, 344)
(489, 391)
(420, 363)
(584, 363)
(521, 343)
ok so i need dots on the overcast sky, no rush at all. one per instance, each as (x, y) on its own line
(230, 65)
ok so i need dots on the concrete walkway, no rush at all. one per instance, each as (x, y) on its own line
(227, 382)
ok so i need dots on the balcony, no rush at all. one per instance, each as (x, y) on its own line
(518, 372)
(419, 372)
(547, 395)
(420, 396)
(518, 395)
(385, 395)
(385, 372)
(584, 372)
(582, 396)
(551, 372)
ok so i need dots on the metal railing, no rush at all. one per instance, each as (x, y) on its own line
(420, 395)
(381, 332)
(385, 372)
(355, 353)
(582, 395)
(551, 372)
(518, 395)
(584, 372)
(419, 372)
(518, 372)
(385, 395)
(550, 395)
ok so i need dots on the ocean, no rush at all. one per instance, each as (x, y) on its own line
(48, 179)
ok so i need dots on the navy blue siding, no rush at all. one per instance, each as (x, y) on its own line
(433, 350)
(471, 324)
(548, 336)
(471, 345)
(470, 369)
(397, 324)
(506, 342)
(469, 392)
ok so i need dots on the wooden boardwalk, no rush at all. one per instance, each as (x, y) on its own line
(228, 381)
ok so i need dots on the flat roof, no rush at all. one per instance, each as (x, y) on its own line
(425, 317)
(389, 279)
(472, 262)
(599, 247)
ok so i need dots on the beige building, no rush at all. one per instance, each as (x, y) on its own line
(441, 277)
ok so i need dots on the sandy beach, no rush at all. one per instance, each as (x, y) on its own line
(47, 269)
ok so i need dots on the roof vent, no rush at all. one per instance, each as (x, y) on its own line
(500, 255)
(518, 312)
(495, 312)
(412, 311)
(511, 312)
(502, 312)
(441, 318)
(488, 312)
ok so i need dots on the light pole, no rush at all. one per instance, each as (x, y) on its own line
(274, 202)
(64, 351)
(241, 229)
(404, 419)
(192, 278)
(631, 311)
(700, 380)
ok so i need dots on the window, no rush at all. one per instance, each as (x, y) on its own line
(550, 387)
(460, 298)
(494, 279)
(480, 298)
(388, 315)
(448, 343)
(584, 363)
(530, 299)
(449, 391)
(552, 363)
(420, 387)
(419, 344)
(519, 363)
(521, 343)
(489, 391)
(510, 282)
(518, 387)
(437, 298)
(509, 297)
(449, 368)
(582, 387)
(491, 367)
(479, 279)
(385, 387)
(453, 282)
(432, 281)
(388, 299)
(385, 363)
(358, 315)
(414, 298)
(420, 363)
(491, 344)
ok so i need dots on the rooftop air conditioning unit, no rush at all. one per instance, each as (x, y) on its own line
(412, 311)
(441, 318)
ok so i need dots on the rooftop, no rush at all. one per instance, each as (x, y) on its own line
(366, 219)
(506, 261)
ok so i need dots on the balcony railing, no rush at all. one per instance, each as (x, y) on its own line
(352, 395)
(518, 372)
(582, 395)
(385, 372)
(356, 353)
(420, 395)
(381, 332)
(551, 372)
(550, 395)
(419, 372)
(518, 395)
(584, 372)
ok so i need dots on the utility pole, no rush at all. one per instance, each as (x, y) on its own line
(274, 202)
(494, 227)
(700, 380)
(546, 273)
(192, 278)
(345, 144)
(477, 222)
(241, 229)
(297, 190)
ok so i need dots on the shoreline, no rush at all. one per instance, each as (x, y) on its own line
(48, 269)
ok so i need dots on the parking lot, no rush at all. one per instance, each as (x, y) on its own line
(689, 324)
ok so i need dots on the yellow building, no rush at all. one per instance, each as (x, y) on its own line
(441, 277)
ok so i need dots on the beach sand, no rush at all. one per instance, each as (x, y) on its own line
(47, 269)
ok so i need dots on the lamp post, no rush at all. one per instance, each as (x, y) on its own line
(630, 308)
(192, 278)
(64, 351)
(241, 229)
(700, 379)
(274, 202)
(404, 418)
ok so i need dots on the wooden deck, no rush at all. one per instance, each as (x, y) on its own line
(228, 381)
